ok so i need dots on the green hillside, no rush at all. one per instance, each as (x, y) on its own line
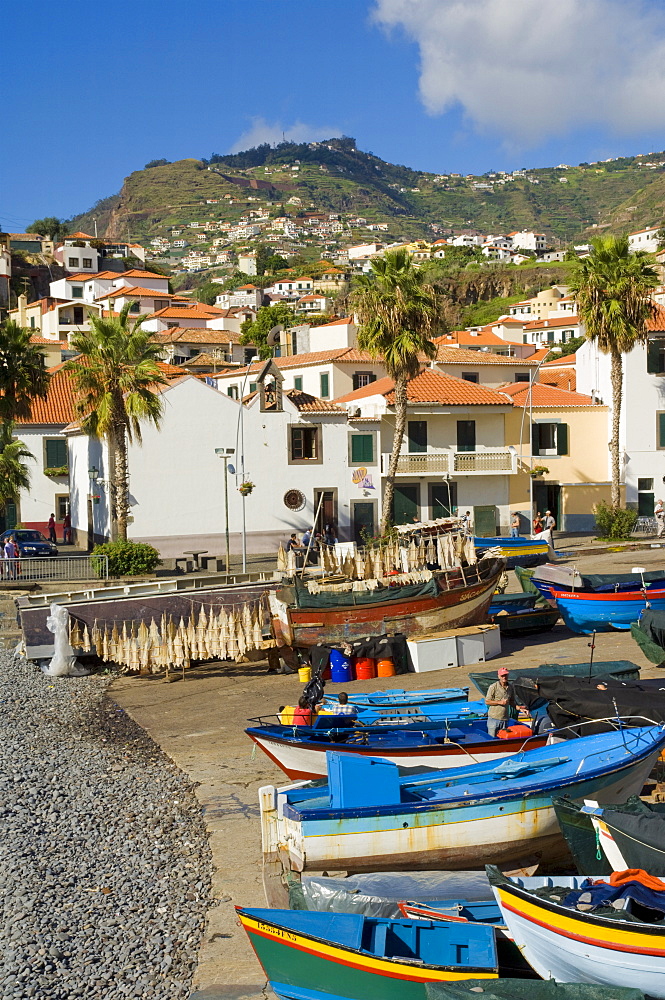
(334, 176)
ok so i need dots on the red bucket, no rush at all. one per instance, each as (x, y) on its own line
(365, 668)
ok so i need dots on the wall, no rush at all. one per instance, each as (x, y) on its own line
(84, 453)
(324, 338)
(492, 375)
(37, 504)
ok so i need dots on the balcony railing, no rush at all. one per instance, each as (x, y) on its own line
(482, 462)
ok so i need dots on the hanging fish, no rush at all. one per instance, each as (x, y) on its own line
(282, 564)
(223, 634)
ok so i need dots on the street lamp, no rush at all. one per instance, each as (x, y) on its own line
(225, 454)
(240, 430)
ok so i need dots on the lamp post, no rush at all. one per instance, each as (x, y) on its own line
(240, 431)
(225, 454)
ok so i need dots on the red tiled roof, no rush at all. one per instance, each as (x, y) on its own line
(484, 337)
(565, 359)
(137, 292)
(462, 356)
(335, 322)
(431, 386)
(24, 236)
(656, 322)
(186, 312)
(196, 335)
(562, 378)
(79, 236)
(339, 355)
(312, 404)
(142, 274)
(547, 324)
(544, 395)
(58, 407)
(45, 342)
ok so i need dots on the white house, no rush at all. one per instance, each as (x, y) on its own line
(526, 239)
(645, 239)
(313, 304)
(559, 330)
(76, 254)
(246, 295)
(325, 374)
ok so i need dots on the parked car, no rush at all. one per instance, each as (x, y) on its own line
(31, 544)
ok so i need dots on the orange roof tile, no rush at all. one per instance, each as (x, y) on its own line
(142, 274)
(656, 322)
(335, 322)
(79, 236)
(58, 407)
(185, 312)
(137, 292)
(545, 395)
(431, 386)
(339, 355)
(547, 324)
(45, 342)
(312, 404)
(484, 338)
(563, 378)
(462, 356)
(196, 335)
(565, 359)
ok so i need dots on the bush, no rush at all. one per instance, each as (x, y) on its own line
(614, 522)
(128, 558)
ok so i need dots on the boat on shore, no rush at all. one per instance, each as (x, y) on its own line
(624, 670)
(586, 612)
(521, 614)
(518, 551)
(627, 835)
(548, 578)
(368, 817)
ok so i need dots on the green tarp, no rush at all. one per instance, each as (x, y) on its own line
(623, 670)
(349, 598)
(527, 989)
(649, 634)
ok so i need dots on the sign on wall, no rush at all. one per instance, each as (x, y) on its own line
(362, 479)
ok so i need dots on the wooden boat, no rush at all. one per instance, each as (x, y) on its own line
(624, 670)
(434, 714)
(592, 612)
(451, 599)
(310, 955)
(627, 835)
(572, 945)
(548, 578)
(401, 698)
(300, 751)
(592, 705)
(517, 551)
(370, 818)
(521, 614)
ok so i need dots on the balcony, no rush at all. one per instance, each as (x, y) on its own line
(448, 461)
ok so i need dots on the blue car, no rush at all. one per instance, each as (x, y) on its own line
(31, 544)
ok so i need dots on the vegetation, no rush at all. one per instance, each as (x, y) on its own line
(116, 374)
(51, 226)
(397, 313)
(14, 473)
(612, 287)
(482, 313)
(156, 163)
(127, 558)
(22, 372)
(256, 331)
(614, 521)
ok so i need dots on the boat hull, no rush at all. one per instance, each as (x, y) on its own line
(517, 551)
(455, 608)
(306, 761)
(585, 613)
(529, 623)
(571, 947)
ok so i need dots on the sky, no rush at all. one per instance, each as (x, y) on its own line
(92, 93)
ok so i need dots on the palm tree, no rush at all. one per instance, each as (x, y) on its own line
(612, 289)
(115, 375)
(14, 474)
(397, 313)
(22, 372)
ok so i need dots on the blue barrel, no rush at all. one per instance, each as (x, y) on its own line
(340, 667)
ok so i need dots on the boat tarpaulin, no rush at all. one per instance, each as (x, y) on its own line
(382, 595)
(624, 669)
(649, 634)
(575, 700)
(608, 582)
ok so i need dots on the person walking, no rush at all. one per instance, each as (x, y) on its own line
(51, 529)
(515, 525)
(659, 514)
(67, 529)
(329, 536)
(500, 698)
(11, 553)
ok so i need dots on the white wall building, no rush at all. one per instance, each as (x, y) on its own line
(645, 239)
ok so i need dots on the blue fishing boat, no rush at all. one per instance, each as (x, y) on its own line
(548, 579)
(345, 956)
(403, 698)
(591, 612)
(517, 551)
(368, 817)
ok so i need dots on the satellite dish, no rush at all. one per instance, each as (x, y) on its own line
(273, 335)
(232, 469)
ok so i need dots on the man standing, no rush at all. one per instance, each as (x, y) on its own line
(659, 514)
(51, 529)
(500, 698)
(11, 553)
(515, 525)
(549, 524)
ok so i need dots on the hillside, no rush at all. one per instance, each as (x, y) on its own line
(334, 176)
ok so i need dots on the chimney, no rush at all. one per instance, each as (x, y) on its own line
(22, 303)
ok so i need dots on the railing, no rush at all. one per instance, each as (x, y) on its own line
(431, 463)
(54, 568)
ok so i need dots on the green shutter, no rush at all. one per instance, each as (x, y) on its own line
(252, 386)
(325, 380)
(297, 383)
(661, 430)
(362, 449)
(562, 439)
(466, 435)
(56, 454)
(417, 436)
(535, 434)
(654, 364)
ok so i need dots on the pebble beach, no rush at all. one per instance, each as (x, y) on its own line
(105, 867)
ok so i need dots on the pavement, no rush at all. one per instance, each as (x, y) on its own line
(199, 723)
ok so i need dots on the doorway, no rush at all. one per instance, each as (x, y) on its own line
(363, 519)
(442, 499)
(328, 512)
(91, 525)
(406, 504)
(547, 496)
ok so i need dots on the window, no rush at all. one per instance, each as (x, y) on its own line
(361, 379)
(252, 386)
(362, 449)
(55, 453)
(466, 435)
(645, 506)
(470, 376)
(134, 308)
(161, 304)
(249, 354)
(61, 505)
(297, 383)
(78, 315)
(171, 326)
(656, 356)
(32, 322)
(417, 436)
(73, 262)
(77, 292)
(324, 378)
(232, 391)
(86, 262)
(304, 444)
(660, 429)
(550, 439)
(522, 377)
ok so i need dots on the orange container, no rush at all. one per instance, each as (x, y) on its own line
(385, 668)
(365, 668)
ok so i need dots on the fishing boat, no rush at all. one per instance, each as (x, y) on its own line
(649, 634)
(368, 817)
(517, 551)
(521, 614)
(593, 612)
(593, 705)
(616, 837)
(624, 670)
(300, 751)
(345, 956)
(572, 945)
(433, 715)
(548, 578)
(401, 698)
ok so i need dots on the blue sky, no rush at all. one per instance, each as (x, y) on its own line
(94, 92)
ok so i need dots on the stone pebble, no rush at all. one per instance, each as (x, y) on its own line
(105, 866)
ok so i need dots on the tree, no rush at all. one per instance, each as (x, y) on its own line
(255, 331)
(263, 254)
(398, 312)
(14, 474)
(22, 372)
(115, 375)
(51, 226)
(156, 163)
(612, 288)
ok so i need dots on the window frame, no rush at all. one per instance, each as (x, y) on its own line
(357, 436)
(660, 430)
(301, 429)
(61, 441)
(58, 499)
(324, 385)
(297, 383)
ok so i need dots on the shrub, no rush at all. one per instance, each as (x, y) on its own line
(614, 522)
(127, 558)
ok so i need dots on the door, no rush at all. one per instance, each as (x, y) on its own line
(328, 512)
(364, 520)
(484, 521)
(466, 435)
(91, 525)
(442, 499)
(547, 496)
(416, 436)
(9, 519)
(406, 504)
(645, 497)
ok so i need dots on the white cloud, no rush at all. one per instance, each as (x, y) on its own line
(531, 70)
(273, 132)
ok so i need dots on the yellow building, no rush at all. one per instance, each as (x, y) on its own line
(570, 435)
